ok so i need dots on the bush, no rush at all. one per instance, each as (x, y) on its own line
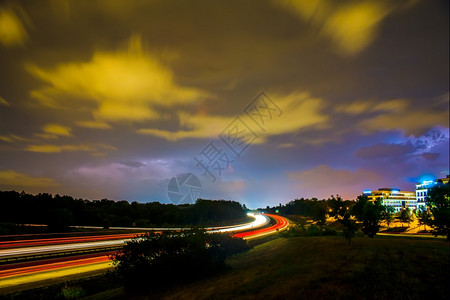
(329, 231)
(72, 292)
(158, 260)
(311, 230)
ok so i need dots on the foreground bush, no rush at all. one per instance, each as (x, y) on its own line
(158, 260)
(311, 230)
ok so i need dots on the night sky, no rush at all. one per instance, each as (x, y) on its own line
(286, 99)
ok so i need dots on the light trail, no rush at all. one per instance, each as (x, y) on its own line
(51, 271)
(66, 240)
(253, 223)
(281, 224)
(21, 274)
(78, 243)
(63, 247)
(260, 220)
(52, 266)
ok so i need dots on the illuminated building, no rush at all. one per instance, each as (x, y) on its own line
(394, 198)
(422, 190)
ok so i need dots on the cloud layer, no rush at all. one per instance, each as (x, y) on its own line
(112, 99)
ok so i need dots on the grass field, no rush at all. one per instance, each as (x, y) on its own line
(323, 267)
(328, 268)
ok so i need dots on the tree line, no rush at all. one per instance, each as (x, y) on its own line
(367, 214)
(58, 212)
(156, 260)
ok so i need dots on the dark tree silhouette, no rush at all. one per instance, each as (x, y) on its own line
(405, 216)
(371, 217)
(59, 212)
(341, 212)
(438, 201)
(163, 259)
(388, 214)
(424, 217)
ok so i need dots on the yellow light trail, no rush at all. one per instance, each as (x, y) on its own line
(18, 279)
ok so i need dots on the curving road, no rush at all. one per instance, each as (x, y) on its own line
(17, 274)
(66, 240)
(281, 224)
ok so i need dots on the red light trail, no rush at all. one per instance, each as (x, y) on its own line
(281, 223)
(18, 273)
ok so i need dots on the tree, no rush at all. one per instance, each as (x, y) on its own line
(59, 219)
(388, 214)
(369, 213)
(371, 217)
(405, 216)
(350, 227)
(358, 208)
(159, 259)
(341, 212)
(319, 212)
(424, 217)
(438, 201)
(337, 206)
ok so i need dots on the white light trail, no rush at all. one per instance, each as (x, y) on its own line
(64, 247)
(260, 220)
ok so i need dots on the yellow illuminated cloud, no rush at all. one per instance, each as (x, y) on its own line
(200, 126)
(69, 148)
(3, 102)
(57, 148)
(396, 114)
(125, 85)
(55, 129)
(360, 107)
(12, 32)
(6, 138)
(13, 178)
(352, 26)
(415, 122)
(300, 112)
(13, 138)
(94, 124)
(46, 136)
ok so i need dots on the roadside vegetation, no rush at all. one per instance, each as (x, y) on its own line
(309, 267)
(328, 268)
(312, 216)
(158, 260)
(59, 212)
(310, 260)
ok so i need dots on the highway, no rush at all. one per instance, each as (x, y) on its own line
(66, 240)
(21, 273)
(281, 224)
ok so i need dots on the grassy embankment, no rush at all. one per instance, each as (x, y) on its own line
(328, 268)
(325, 267)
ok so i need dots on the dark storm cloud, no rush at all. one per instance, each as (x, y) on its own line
(430, 156)
(385, 151)
(132, 164)
(115, 97)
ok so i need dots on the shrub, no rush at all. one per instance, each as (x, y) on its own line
(157, 260)
(313, 230)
